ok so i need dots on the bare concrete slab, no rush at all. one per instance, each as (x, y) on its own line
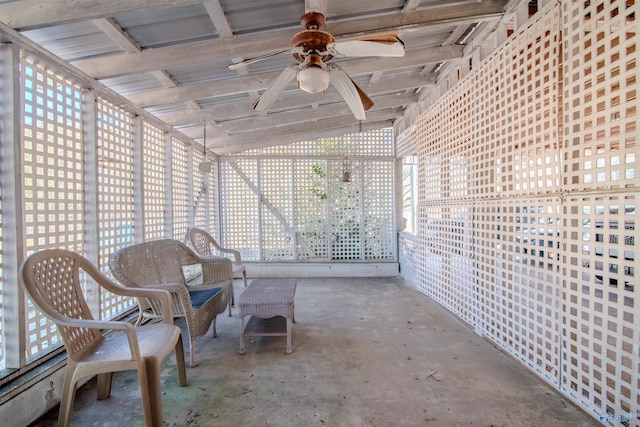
(366, 352)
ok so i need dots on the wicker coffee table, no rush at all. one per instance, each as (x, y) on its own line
(270, 304)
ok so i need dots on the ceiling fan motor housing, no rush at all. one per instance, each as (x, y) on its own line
(311, 41)
(312, 20)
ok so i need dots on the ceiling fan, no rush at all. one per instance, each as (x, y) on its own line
(313, 48)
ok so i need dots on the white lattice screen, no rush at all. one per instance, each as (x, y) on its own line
(179, 187)
(155, 200)
(64, 201)
(378, 210)
(601, 362)
(278, 241)
(310, 187)
(240, 211)
(115, 192)
(199, 195)
(527, 200)
(291, 202)
(602, 317)
(345, 212)
(53, 177)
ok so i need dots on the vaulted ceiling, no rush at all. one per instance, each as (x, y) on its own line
(172, 58)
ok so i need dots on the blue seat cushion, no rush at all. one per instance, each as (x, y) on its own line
(199, 298)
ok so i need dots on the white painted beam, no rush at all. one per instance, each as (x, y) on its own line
(216, 13)
(418, 58)
(276, 135)
(253, 45)
(292, 117)
(292, 102)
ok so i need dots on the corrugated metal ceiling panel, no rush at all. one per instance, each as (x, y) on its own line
(74, 41)
(168, 26)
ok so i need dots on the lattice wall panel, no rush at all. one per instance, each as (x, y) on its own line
(179, 175)
(446, 149)
(115, 192)
(601, 95)
(518, 110)
(212, 200)
(445, 268)
(373, 143)
(52, 168)
(240, 201)
(345, 212)
(495, 133)
(601, 156)
(200, 189)
(379, 227)
(523, 313)
(306, 211)
(408, 258)
(602, 298)
(154, 192)
(494, 290)
(310, 202)
(555, 252)
(278, 240)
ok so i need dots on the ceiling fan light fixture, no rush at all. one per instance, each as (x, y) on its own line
(313, 79)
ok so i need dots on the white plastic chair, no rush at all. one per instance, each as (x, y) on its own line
(53, 281)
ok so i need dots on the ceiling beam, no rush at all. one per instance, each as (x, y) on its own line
(214, 9)
(111, 28)
(292, 117)
(235, 85)
(256, 44)
(298, 100)
(126, 43)
(299, 132)
(410, 6)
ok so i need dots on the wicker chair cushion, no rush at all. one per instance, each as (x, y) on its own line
(199, 298)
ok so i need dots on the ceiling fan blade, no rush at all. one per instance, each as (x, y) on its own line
(278, 86)
(319, 6)
(256, 59)
(348, 89)
(385, 45)
(367, 103)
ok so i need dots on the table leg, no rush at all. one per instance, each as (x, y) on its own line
(242, 350)
(288, 350)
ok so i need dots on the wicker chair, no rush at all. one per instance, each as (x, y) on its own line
(205, 245)
(159, 264)
(52, 281)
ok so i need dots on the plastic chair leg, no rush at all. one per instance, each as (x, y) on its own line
(182, 372)
(104, 385)
(143, 379)
(68, 396)
(192, 353)
(154, 388)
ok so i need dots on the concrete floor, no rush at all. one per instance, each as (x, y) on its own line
(366, 352)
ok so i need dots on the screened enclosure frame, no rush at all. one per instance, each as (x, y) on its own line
(90, 172)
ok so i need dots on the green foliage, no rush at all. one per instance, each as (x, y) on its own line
(318, 170)
(319, 193)
(316, 190)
